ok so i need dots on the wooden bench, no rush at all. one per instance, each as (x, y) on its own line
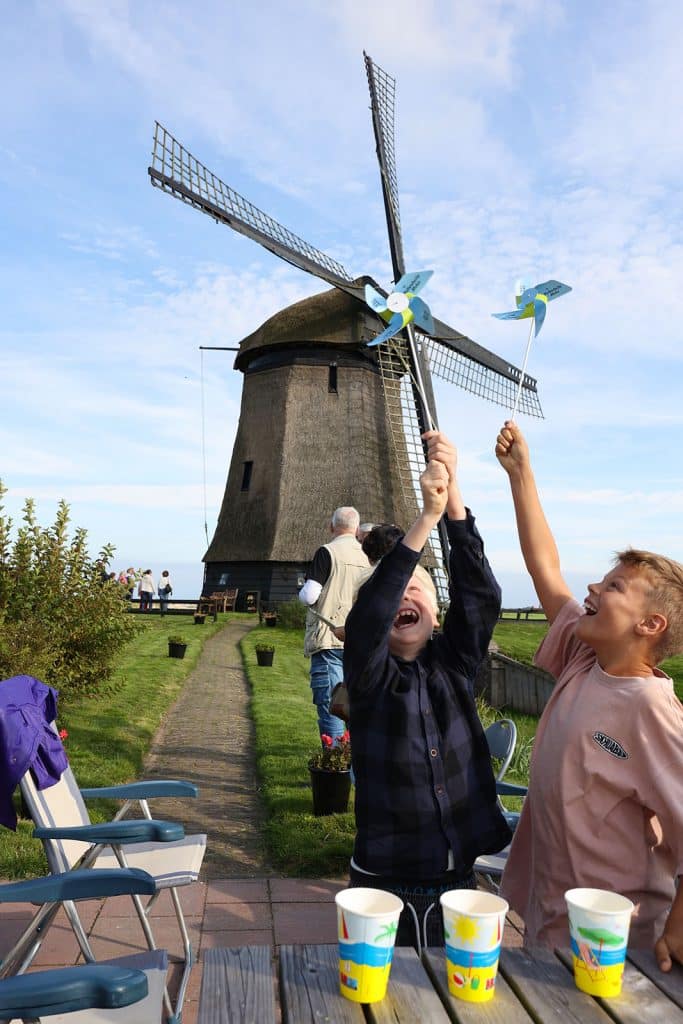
(219, 601)
(225, 599)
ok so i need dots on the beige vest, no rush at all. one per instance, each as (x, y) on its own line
(349, 570)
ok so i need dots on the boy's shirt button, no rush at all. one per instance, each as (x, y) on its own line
(434, 752)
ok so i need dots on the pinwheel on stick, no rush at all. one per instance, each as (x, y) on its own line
(532, 303)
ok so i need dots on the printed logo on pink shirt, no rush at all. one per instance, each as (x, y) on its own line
(610, 745)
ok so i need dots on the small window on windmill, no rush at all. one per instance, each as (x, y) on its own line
(332, 379)
(246, 475)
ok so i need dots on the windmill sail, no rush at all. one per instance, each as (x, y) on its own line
(382, 100)
(488, 377)
(176, 171)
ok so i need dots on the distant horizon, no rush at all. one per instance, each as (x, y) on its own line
(187, 579)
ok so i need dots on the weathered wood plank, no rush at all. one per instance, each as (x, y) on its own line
(546, 988)
(640, 1002)
(309, 987)
(504, 1008)
(410, 994)
(670, 982)
(238, 985)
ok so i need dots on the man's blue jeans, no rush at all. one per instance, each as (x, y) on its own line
(327, 669)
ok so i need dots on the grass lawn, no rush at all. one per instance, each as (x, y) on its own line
(286, 733)
(299, 844)
(110, 735)
(520, 640)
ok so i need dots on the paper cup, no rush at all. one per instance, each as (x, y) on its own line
(473, 924)
(367, 922)
(598, 927)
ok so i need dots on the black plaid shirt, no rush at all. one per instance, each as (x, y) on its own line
(424, 783)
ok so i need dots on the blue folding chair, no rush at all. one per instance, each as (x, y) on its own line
(105, 990)
(70, 839)
(501, 737)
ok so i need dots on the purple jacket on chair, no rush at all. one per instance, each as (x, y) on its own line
(27, 707)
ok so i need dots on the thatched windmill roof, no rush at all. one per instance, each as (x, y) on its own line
(329, 318)
(309, 447)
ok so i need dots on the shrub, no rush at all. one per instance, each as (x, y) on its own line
(291, 614)
(59, 620)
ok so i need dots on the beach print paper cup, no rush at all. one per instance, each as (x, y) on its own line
(367, 922)
(473, 925)
(598, 928)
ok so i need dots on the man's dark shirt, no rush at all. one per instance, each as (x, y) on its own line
(424, 783)
(321, 566)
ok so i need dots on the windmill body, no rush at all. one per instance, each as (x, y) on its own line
(313, 434)
(330, 417)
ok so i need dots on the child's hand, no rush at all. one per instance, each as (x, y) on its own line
(670, 946)
(440, 449)
(434, 487)
(512, 450)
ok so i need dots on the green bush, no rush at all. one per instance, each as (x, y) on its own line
(59, 620)
(291, 614)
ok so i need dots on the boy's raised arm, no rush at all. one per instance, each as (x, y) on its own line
(538, 546)
(434, 484)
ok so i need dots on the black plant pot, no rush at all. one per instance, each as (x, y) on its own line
(330, 791)
(264, 657)
(199, 620)
(271, 621)
(176, 650)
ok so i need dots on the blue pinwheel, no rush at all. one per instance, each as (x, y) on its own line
(533, 302)
(401, 306)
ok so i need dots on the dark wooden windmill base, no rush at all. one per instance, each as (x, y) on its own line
(273, 582)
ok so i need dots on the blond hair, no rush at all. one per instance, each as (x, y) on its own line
(427, 582)
(665, 577)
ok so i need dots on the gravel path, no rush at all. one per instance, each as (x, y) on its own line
(207, 737)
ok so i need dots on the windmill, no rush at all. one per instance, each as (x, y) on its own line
(298, 454)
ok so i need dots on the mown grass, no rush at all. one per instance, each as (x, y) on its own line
(286, 732)
(299, 844)
(110, 735)
(519, 640)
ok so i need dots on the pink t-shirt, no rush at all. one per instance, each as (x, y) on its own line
(605, 802)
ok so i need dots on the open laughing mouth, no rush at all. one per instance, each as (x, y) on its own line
(589, 608)
(406, 617)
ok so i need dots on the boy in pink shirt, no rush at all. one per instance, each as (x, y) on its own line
(605, 802)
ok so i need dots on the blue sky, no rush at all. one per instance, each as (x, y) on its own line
(534, 140)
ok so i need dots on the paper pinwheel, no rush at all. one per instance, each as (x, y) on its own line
(533, 302)
(401, 306)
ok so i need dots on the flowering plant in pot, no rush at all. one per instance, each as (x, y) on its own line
(330, 769)
(334, 755)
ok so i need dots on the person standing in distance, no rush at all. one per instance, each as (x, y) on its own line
(337, 571)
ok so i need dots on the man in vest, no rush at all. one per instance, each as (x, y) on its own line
(337, 571)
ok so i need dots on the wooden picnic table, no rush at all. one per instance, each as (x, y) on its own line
(244, 985)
